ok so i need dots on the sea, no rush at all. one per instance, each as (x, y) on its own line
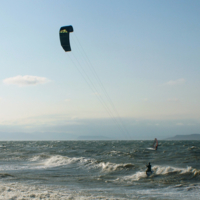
(60, 170)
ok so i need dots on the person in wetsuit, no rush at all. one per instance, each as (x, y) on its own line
(148, 168)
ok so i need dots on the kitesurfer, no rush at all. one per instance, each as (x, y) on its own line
(155, 144)
(148, 168)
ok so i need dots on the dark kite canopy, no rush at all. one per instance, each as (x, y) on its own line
(64, 37)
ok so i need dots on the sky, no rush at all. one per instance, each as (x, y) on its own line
(133, 72)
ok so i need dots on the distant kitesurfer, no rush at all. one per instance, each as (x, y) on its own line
(148, 168)
(155, 144)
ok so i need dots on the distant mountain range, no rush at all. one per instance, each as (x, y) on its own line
(185, 137)
(93, 137)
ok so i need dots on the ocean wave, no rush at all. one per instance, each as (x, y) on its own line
(107, 166)
(134, 177)
(164, 170)
(39, 157)
(87, 162)
(5, 175)
(118, 153)
(58, 160)
(19, 191)
(160, 170)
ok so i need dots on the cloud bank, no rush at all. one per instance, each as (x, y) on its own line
(25, 80)
(176, 82)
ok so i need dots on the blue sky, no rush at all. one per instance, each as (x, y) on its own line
(145, 54)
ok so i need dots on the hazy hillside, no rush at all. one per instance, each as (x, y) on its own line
(185, 137)
(91, 137)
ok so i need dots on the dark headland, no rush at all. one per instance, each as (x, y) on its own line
(185, 137)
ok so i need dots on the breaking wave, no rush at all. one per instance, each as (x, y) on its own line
(18, 191)
(161, 170)
(164, 170)
(58, 160)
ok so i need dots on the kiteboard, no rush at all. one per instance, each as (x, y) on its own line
(151, 148)
(149, 173)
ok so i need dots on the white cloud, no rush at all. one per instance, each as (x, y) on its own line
(176, 82)
(25, 80)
